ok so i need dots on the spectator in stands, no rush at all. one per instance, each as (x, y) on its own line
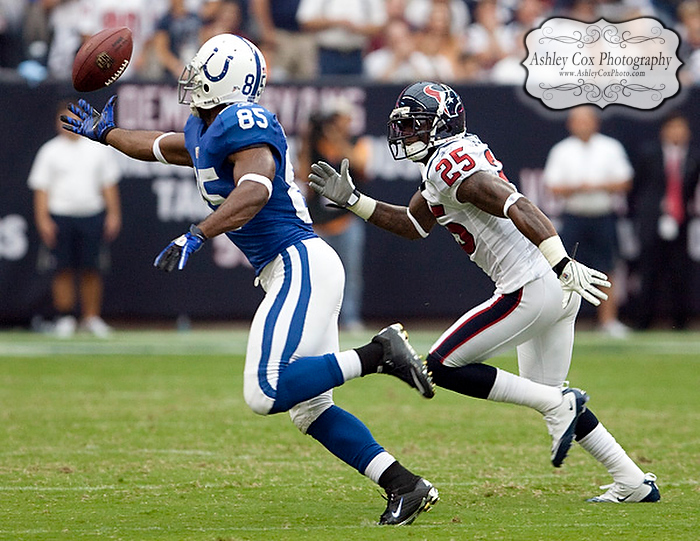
(206, 9)
(470, 69)
(396, 9)
(343, 31)
(36, 35)
(141, 17)
(417, 13)
(176, 39)
(441, 44)
(612, 10)
(580, 10)
(399, 61)
(689, 30)
(487, 38)
(77, 212)
(591, 173)
(11, 17)
(292, 51)
(509, 69)
(69, 25)
(222, 17)
(329, 138)
(667, 174)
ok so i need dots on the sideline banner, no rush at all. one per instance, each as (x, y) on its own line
(403, 279)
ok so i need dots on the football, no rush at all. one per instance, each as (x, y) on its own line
(102, 59)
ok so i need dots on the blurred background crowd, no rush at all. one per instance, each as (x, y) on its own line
(589, 180)
(381, 40)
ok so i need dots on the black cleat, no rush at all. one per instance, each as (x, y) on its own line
(402, 509)
(401, 360)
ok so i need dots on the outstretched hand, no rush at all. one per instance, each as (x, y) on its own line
(176, 254)
(89, 122)
(338, 187)
(576, 277)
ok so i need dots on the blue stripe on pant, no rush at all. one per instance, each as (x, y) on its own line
(306, 377)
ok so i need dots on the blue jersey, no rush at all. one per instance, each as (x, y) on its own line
(285, 219)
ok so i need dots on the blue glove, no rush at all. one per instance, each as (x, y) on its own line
(90, 122)
(177, 252)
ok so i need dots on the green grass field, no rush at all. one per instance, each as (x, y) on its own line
(146, 436)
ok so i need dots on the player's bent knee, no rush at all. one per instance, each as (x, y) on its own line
(303, 415)
(257, 401)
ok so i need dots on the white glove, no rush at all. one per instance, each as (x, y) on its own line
(327, 182)
(576, 277)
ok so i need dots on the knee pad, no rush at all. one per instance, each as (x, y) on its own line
(305, 413)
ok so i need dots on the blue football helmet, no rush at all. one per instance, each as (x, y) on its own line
(426, 115)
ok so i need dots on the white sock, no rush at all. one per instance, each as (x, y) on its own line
(518, 390)
(350, 365)
(378, 466)
(604, 448)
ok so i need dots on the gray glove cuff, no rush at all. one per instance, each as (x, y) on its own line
(197, 232)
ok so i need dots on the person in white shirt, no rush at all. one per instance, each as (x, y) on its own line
(77, 210)
(590, 172)
(343, 31)
(399, 60)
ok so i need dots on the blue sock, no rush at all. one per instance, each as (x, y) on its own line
(305, 378)
(346, 437)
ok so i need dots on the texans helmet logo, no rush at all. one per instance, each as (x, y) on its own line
(448, 102)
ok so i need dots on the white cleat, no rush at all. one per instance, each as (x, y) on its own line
(561, 423)
(97, 326)
(65, 327)
(647, 491)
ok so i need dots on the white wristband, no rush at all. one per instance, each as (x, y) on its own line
(364, 207)
(156, 148)
(512, 198)
(553, 250)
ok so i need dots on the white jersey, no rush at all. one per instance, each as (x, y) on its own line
(74, 171)
(573, 163)
(493, 243)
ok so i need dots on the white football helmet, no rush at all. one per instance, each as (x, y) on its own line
(226, 69)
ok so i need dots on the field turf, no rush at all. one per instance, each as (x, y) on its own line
(145, 436)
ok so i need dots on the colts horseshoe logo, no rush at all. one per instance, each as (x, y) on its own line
(224, 70)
